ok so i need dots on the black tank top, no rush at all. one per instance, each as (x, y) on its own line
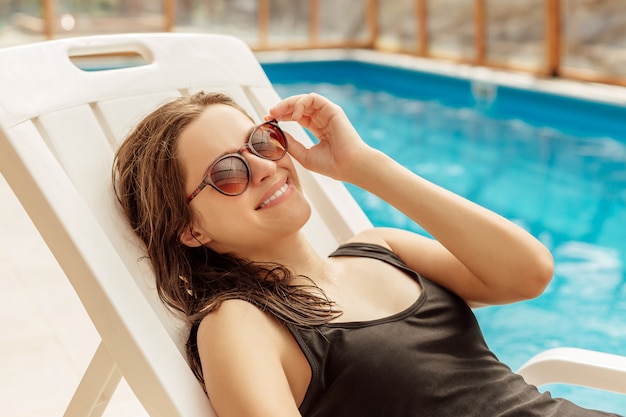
(429, 360)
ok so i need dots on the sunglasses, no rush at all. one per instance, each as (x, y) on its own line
(230, 174)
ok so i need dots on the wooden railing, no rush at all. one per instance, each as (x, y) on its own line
(555, 47)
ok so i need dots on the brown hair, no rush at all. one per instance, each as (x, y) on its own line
(149, 185)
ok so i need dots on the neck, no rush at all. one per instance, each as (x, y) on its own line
(297, 253)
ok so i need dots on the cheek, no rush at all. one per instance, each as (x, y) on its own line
(287, 163)
(225, 218)
(297, 213)
(209, 220)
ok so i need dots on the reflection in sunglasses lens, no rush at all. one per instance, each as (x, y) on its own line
(269, 142)
(230, 175)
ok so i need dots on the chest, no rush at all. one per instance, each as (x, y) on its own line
(397, 361)
(368, 289)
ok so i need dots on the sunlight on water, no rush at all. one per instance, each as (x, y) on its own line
(568, 190)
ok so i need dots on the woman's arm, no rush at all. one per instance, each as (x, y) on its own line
(242, 351)
(477, 254)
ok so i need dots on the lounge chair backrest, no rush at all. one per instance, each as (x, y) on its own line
(59, 126)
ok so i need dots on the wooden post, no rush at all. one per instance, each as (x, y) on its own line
(479, 32)
(372, 22)
(553, 37)
(169, 9)
(48, 18)
(422, 27)
(314, 22)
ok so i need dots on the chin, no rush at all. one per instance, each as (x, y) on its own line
(305, 211)
(299, 213)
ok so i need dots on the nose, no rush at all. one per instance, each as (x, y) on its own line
(260, 168)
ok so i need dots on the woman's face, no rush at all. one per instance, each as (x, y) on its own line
(251, 224)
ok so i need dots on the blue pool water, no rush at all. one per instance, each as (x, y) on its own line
(555, 165)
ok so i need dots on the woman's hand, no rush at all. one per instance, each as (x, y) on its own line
(339, 147)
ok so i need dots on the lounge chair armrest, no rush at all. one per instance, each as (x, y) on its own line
(577, 367)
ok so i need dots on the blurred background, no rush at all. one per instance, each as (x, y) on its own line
(578, 39)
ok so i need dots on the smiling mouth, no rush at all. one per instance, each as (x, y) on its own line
(274, 196)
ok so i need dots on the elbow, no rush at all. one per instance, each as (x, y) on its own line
(538, 275)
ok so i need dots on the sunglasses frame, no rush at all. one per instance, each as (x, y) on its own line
(206, 180)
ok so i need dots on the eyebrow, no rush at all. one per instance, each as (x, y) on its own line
(248, 134)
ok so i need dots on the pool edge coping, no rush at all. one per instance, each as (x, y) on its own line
(603, 93)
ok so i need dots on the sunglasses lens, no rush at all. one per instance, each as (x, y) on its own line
(230, 175)
(269, 142)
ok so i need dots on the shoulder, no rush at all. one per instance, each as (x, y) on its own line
(234, 317)
(421, 253)
(238, 327)
(241, 350)
(375, 236)
(393, 239)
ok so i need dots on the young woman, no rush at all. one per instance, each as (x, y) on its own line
(382, 327)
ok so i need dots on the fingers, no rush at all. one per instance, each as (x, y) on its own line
(297, 150)
(303, 109)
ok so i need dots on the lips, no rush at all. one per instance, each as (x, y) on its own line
(274, 196)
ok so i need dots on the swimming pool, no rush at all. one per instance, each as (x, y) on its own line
(554, 164)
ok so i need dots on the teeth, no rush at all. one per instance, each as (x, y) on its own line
(277, 194)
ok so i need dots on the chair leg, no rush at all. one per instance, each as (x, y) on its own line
(96, 387)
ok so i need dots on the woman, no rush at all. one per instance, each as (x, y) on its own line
(382, 327)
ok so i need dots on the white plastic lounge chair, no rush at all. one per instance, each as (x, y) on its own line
(577, 367)
(58, 127)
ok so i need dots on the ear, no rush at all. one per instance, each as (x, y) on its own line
(193, 237)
